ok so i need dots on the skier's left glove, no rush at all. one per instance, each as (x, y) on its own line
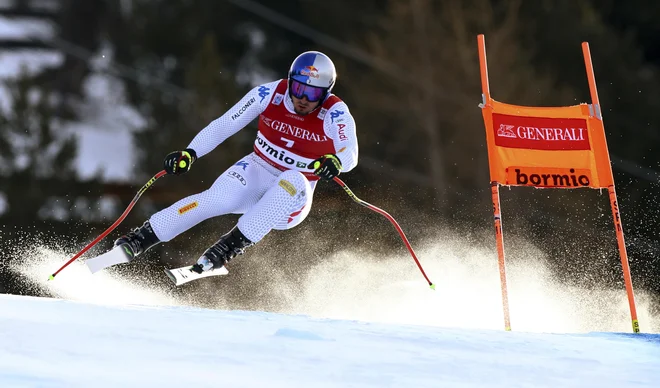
(179, 162)
(326, 167)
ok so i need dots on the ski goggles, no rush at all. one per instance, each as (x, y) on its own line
(300, 90)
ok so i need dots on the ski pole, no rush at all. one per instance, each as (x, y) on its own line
(113, 226)
(391, 219)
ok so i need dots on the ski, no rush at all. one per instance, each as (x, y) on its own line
(115, 256)
(184, 275)
(178, 276)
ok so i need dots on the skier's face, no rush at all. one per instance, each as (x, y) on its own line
(303, 106)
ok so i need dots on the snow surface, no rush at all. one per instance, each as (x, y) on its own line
(58, 343)
(352, 321)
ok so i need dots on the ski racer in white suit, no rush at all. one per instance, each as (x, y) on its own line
(306, 133)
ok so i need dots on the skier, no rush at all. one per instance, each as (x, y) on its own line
(305, 133)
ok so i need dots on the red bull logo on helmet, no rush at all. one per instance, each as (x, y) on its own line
(310, 71)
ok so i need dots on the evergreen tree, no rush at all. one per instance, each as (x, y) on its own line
(32, 150)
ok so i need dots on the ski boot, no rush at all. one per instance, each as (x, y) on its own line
(138, 241)
(226, 248)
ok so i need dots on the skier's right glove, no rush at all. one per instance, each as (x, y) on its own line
(179, 162)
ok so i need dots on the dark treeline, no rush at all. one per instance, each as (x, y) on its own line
(409, 71)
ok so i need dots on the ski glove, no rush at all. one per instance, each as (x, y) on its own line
(179, 162)
(326, 167)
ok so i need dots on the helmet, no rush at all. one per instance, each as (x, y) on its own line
(312, 74)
